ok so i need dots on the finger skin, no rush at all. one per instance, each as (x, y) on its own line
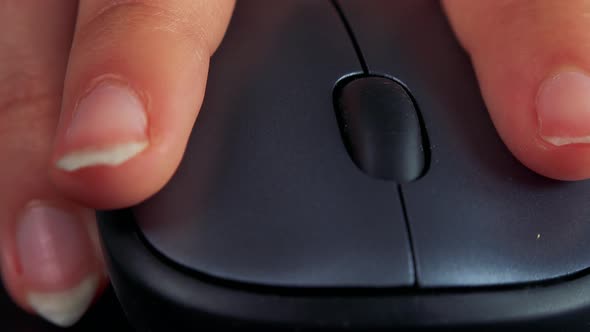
(160, 51)
(516, 47)
(34, 48)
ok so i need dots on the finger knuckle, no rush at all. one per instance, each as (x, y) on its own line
(25, 90)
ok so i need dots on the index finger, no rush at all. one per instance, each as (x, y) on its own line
(135, 82)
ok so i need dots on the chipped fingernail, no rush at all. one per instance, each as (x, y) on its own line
(108, 128)
(563, 109)
(66, 307)
(109, 156)
(58, 262)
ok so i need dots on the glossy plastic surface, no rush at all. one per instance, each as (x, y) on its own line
(159, 296)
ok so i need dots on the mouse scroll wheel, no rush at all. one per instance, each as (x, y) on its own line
(381, 127)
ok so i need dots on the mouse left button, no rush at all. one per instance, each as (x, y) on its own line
(266, 193)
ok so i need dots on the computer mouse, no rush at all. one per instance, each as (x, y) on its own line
(344, 174)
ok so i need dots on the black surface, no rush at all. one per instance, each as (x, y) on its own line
(266, 192)
(105, 315)
(380, 127)
(478, 217)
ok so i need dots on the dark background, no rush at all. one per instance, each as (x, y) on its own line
(106, 315)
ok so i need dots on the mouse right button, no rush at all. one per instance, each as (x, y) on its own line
(477, 217)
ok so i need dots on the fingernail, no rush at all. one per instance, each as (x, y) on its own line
(108, 128)
(563, 109)
(67, 307)
(56, 257)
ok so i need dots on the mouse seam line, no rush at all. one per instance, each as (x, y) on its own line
(409, 234)
(348, 28)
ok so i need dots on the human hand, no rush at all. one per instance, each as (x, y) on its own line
(160, 49)
(97, 101)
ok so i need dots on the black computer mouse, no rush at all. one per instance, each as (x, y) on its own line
(344, 174)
